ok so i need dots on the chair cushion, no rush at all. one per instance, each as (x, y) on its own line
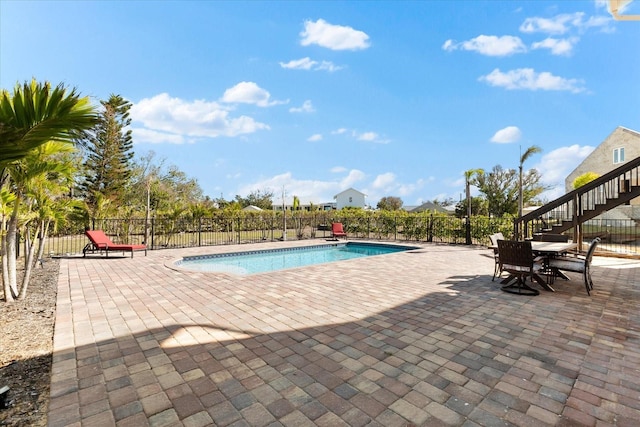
(568, 263)
(519, 268)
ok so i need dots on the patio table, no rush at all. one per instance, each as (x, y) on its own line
(549, 250)
(546, 250)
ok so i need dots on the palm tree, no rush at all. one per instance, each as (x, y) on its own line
(34, 179)
(49, 174)
(530, 151)
(35, 113)
(467, 177)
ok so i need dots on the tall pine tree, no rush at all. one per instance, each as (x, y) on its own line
(109, 153)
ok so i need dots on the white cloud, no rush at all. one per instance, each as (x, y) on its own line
(335, 37)
(320, 191)
(249, 93)
(559, 24)
(489, 45)
(339, 131)
(307, 107)
(309, 64)
(352, 178)
(299, 64)
(367, 136)
(315, 137)
(307, 190)
(167, 119)
(387, 184)
(507, 135)
(154, 137)
(557, 164)
(370, 137)
(564, 23)
(529, 79)
(562, 47)
(328, 66)
(383, 181)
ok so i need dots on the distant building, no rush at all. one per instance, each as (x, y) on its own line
(252, 208)
(328, 206)
(619, 147)
(350, 198)
(429, 206)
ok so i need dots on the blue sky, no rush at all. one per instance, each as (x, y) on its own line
(390, 98)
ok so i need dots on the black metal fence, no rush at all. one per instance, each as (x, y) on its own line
(244, 227)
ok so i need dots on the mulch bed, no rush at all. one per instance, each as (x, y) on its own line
(26, 343)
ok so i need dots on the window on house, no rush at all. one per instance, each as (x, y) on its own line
(350, 199)
(618, 155)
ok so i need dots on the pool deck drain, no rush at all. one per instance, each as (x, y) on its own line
(417, 338)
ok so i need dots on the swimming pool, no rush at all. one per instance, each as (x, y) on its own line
(261, 261)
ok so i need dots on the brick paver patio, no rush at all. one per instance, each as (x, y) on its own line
(407, 339)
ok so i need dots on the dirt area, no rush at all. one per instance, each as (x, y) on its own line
(26, 342)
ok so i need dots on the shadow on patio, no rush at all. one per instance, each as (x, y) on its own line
(460, 353)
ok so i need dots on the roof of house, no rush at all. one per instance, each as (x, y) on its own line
(429, 206)
(348, 189)
(252, 208)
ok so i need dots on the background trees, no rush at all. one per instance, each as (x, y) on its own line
(390, 203)
(501, 189)
(260, 198)
(109, 153)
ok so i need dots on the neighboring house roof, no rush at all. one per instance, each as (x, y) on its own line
(348, 190)
(252, 208)
(430, 206)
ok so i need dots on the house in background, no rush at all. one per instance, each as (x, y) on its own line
(350, 198)
(252, 208)
(429, 206)
(619, 147)
(309, 207)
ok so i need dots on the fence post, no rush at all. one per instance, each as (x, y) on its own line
(395, 226)
(153, 232)
(199, 231)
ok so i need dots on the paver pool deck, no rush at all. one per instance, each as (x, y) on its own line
(406, 339)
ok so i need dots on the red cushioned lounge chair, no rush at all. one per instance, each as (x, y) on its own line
(337, 230)
(100, 242)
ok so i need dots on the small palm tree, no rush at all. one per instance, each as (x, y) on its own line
(530, 151)
(31, 116)
(35, 113)
(468, 175)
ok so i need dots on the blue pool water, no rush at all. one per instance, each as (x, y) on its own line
(278, 259)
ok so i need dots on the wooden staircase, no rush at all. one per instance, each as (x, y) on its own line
(570, 211)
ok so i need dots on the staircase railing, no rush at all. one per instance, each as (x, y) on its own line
(582, 204)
